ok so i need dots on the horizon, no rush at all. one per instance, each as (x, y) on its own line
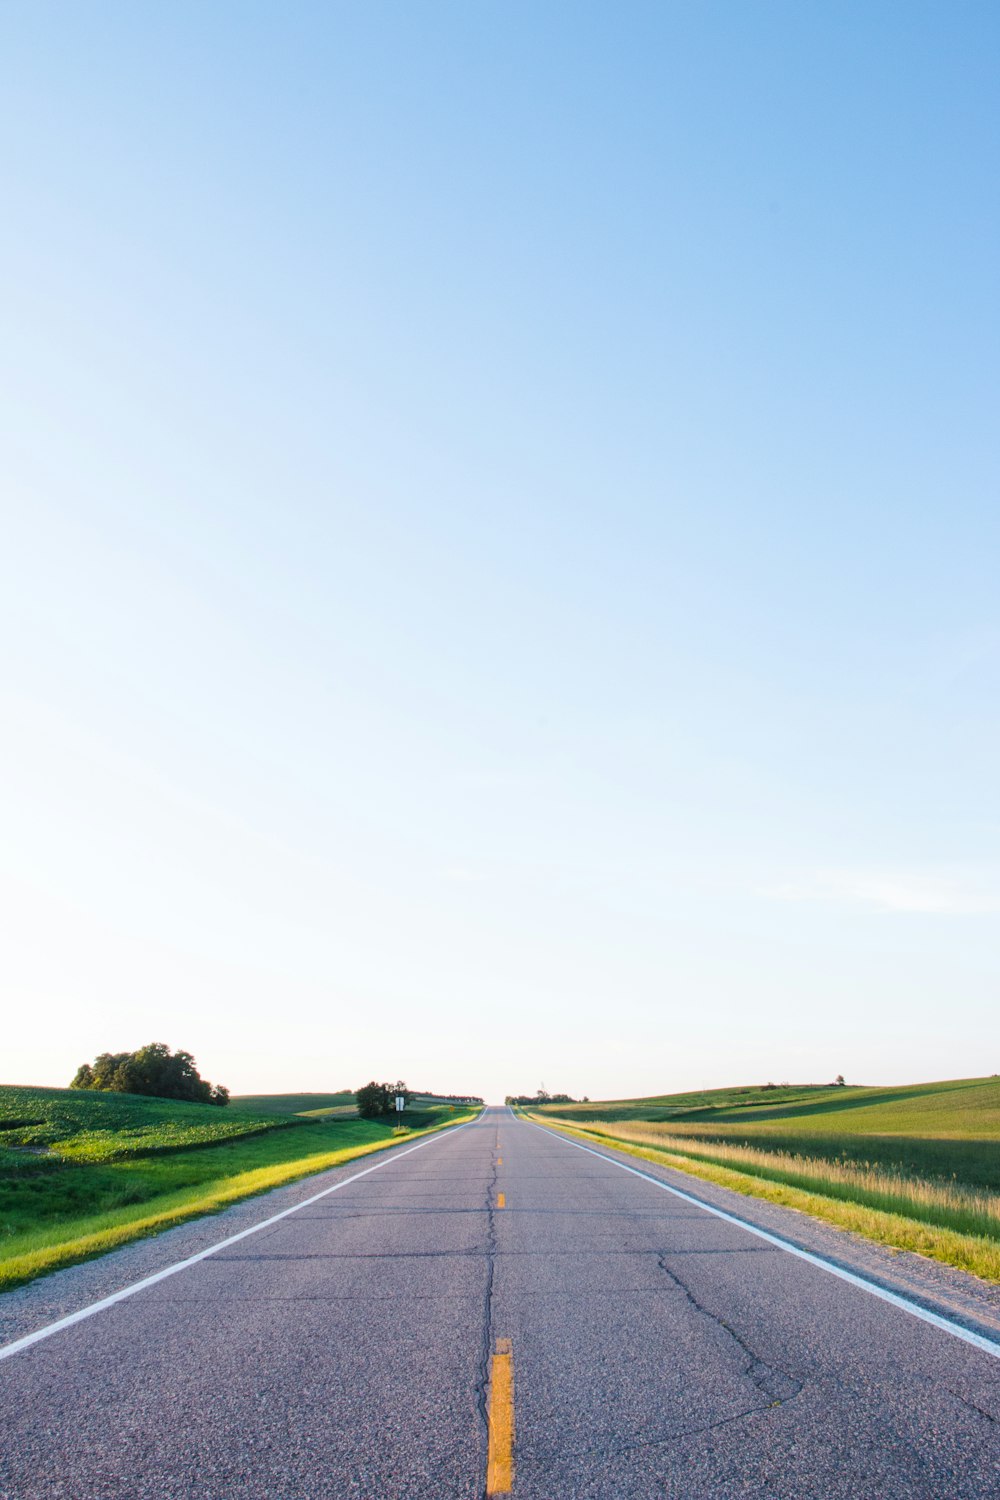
(499, 547)
(292, 1093)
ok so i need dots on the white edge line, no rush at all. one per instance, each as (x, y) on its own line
(6, 1350)
(977, 1340)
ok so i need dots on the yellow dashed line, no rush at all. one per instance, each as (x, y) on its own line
(499, 1161)
(500, 1461)
(501, 1201)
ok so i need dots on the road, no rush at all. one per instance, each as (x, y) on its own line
(497, 1310)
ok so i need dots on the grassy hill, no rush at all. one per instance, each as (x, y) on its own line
(878, 1160)
(294, 1104)
(941, 1129)
(74, 1124)
(962, 1108)
(81, 1172)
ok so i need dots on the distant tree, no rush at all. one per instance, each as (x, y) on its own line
(153, 1070)
(542, 1097)
(839, 1080)
(375, 1100)
(372, 1100)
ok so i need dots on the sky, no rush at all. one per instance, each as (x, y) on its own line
(500, 524)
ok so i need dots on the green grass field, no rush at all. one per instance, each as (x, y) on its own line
(963, 1107)
(936, 1129)
(293, 1104)
(83, 1126)
(922, 1154)
(81, 1172)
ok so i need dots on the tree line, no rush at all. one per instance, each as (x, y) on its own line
(544, 1097)
(152, 1070)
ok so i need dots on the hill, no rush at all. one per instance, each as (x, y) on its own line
(294, 1104)
(76, 1124)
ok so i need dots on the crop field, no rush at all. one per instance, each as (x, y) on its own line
(293, 1104)
(934, 1129)
(879, 1160)
(79, 1125)
(81, 1172)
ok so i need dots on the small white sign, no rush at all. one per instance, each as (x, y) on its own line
(400, 1102)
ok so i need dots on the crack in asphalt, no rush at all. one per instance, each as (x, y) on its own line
(486, 1341)
(972, 1405)
(614, 1450)
(777, 1384)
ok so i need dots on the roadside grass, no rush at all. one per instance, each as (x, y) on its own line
(948, 1130)
(951, 1222)
(61, 1207)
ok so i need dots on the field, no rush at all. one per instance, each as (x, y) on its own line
(916, 1166)
(81, 1172)
(340, 1106)
(294, 1104)
(73, 1124)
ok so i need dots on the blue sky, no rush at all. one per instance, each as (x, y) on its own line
(501, 533)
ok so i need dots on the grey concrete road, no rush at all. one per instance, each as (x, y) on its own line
(344, 1352)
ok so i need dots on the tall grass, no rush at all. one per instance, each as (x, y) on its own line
(947, 1205)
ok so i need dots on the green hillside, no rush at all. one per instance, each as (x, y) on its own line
(940, 1129)
(294, 1104)
(75, 1124)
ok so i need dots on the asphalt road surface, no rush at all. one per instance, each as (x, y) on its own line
(497, 1311)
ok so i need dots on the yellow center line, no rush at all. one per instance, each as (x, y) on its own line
(501, 1200)
(500, 1460)
(499, 1161)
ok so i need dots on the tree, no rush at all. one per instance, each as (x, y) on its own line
(839, 1080)
(542, 1097)
(372, 1100)
(154, 1071)
(376, 1100)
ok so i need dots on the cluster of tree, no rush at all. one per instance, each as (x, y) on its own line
(542, 1097)
(378, 1099)
(152, 1070)
(838, 1082)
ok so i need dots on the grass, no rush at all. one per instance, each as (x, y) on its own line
(81, 1173)
(294, 1104)
(916, 1166)
(77, 1124)
(943, 1130)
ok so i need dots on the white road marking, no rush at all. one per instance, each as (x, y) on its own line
(977, 1340)
(16, 1347)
